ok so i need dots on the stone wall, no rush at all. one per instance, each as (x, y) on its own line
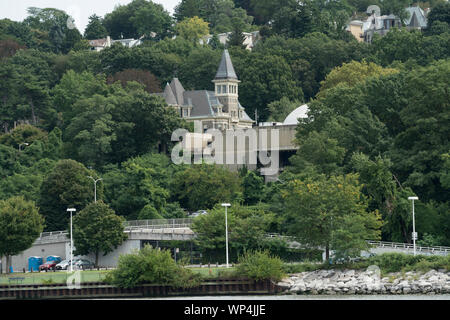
(367, 281)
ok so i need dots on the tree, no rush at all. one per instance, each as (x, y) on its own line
(22, 134)
(353, 73)
(187, 9)
(202, 186)
(236, 38)
(280, 109)
(138, 189)
(97, 229)
(311, 57)
(264, 78)
(124, 122)
(396, 7)
(331, 213)
(319, 153)
(55, 22)
(25, 91)
(8, 48)
(253, 188)
(66, 186)
(146, 78)
(74, 87)
(201, 62)
(441, 12)
(246, 227)
(138, 18)
(416, 151)
(95, 28)
(20, 225)
(192, 29)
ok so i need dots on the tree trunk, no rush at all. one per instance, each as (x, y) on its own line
(327, 252)
(32, 111)
(8, 263)
(96, 259)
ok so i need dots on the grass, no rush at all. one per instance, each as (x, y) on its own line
(213, 272)
(93, 276)
(52, 277)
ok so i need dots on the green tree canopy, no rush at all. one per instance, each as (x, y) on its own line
(192, 29)
(97, 229)
(203, 186)
(138, 18)
(95, 28)
(331, 213)
(20, 225)
(66, 186)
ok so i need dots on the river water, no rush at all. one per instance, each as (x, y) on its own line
(309, 297)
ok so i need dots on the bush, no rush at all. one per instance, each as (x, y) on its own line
(393, 262)
(151, 266)
(260, 265)
(397, 262)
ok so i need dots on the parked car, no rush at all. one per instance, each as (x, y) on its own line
(49, 265)
(83, 264)
(198, 213)
(63, 265)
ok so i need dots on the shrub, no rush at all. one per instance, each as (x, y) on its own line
(260, 265)
(396, 262)
(150, 265)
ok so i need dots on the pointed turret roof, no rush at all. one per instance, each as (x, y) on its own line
(226, 70)
(169, 96)
(178, 90)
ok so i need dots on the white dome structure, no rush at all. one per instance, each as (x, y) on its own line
(300, 112)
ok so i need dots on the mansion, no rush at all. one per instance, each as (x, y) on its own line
(218, 109)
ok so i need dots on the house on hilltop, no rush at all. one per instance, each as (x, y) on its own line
(381, 25)
(218, 109)
(100, 44)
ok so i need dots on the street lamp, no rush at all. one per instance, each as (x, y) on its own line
(95, 187)
(414, 234)
(226, 205)
(23, 144)
(71, 238)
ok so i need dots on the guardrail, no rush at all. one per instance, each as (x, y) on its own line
(408, 246)
(53, 233)
(158, 223)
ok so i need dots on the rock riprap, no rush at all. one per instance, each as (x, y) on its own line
(368, 281)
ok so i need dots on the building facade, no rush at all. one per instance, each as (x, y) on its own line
(218, 109)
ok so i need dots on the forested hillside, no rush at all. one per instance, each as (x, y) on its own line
(378, 128)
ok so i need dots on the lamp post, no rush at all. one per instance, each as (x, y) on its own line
(226, 205)
(414, 234)
(71, 238)
(95, 187)
(23, 144)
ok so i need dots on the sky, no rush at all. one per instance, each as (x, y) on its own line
(80, 10)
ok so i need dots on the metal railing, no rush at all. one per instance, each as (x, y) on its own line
(408, 246)
(158, 224)
(55, 234)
